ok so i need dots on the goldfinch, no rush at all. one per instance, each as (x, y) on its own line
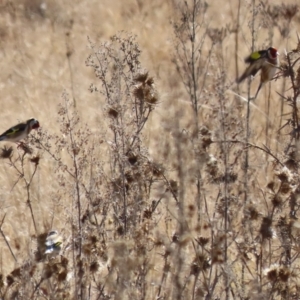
(265, 60)
(20, 131)
(53, 242)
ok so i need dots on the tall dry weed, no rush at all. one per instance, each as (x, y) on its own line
(215, 217)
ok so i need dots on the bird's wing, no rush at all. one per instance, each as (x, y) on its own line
(255, 56)
(16, 129)
(252, 69)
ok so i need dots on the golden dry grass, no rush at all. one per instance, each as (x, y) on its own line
(191, 232)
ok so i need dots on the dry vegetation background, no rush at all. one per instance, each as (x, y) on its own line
(163, 180)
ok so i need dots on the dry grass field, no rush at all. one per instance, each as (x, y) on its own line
(162, 179)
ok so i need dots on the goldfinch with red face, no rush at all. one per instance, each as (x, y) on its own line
(53, 242)
(265, 60)
(20, 131)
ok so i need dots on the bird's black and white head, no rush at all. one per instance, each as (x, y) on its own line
(33, 123)
(272, 53)
(52, 233)
(53, 242)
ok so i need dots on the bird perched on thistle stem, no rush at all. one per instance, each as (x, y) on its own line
(53, 242)
(20, 131)
(265, 60)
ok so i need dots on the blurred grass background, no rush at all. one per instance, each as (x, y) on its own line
(43, 51)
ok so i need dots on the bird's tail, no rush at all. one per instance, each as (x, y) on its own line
(260, 86)
(241, 78)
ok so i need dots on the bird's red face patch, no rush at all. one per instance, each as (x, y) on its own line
(36, 125)
(273, 51)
